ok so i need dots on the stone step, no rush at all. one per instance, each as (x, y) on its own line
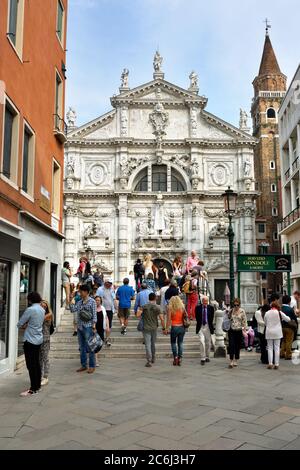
(115, 328)
(61, 338)
(124, 347)
(110, 353)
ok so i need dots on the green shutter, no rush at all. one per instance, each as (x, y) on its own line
(27, 136)
(60, 16)
(13, 18)
(8, 126)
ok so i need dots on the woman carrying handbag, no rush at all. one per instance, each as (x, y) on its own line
(238, 323)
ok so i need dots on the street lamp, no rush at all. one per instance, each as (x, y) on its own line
(230, 198)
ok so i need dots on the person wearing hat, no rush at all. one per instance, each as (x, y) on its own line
(108, 296)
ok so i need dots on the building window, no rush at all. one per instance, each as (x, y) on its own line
(271, 113)
(58, 99)
(60, 21)
(274, 211)
(296, 253)
(28, 161)
(292, 254)
(56, 189)
(142, 185)
(162, 180)
(261, 228)
(4, 307)
(273, 188)
(275, 236)
(11, 142)
(159, 178)
(272, 165)
(263, 250)
(15, 24)
(176, 184)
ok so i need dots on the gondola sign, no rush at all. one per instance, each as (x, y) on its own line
(264, 263)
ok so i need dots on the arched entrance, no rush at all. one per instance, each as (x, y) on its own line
(166, 264)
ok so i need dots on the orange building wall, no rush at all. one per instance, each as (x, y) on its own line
(31, 87)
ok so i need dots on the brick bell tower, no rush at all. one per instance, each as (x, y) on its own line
(269, 91)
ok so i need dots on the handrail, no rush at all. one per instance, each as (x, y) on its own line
(290, 218)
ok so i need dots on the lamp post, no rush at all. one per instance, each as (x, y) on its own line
(230, 198)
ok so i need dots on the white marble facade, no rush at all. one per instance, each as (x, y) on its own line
(147, 177)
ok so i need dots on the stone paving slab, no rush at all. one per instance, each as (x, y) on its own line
(127, 406)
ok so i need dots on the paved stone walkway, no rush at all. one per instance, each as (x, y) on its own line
(127, 406)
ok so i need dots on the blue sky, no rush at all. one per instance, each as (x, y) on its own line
(221, 40)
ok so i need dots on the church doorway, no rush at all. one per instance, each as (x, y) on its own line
(166, 264)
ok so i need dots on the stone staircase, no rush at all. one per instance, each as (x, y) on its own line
(65, 346)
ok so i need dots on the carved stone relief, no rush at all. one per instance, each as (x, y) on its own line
(97, 173)
(219, 174)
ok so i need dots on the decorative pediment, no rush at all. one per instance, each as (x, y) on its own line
(214, 128)
(102, 124)
(156, 90)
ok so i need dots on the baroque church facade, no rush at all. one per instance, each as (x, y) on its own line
(148, 177)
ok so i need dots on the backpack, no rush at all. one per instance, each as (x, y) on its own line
(187, 287)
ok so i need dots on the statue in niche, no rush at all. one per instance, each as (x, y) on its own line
(142, 229)
(157, 62)
(124, 166)
(194, 168)
(247, 168)
(124, 78)
(159, 218)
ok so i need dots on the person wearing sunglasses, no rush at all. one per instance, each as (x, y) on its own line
(238, 319)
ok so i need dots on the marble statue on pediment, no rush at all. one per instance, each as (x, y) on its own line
(124, 78)
(157, 62)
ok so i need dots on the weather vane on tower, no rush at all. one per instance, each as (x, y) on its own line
(268, 26)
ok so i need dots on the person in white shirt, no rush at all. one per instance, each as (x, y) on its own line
(259, 316)
(274, 333)
(161, 293)
(294, 301)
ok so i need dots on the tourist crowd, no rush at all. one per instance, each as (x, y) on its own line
(176, 298)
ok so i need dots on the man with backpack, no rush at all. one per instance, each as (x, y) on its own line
(190, 288)
(86, 319)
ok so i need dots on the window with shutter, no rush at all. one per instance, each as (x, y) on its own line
(8, 131)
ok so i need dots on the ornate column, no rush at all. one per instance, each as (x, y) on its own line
(220, 350)
(70, 253)
(193, 121)
(122, 237)
(195, 222)
(248, 279)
